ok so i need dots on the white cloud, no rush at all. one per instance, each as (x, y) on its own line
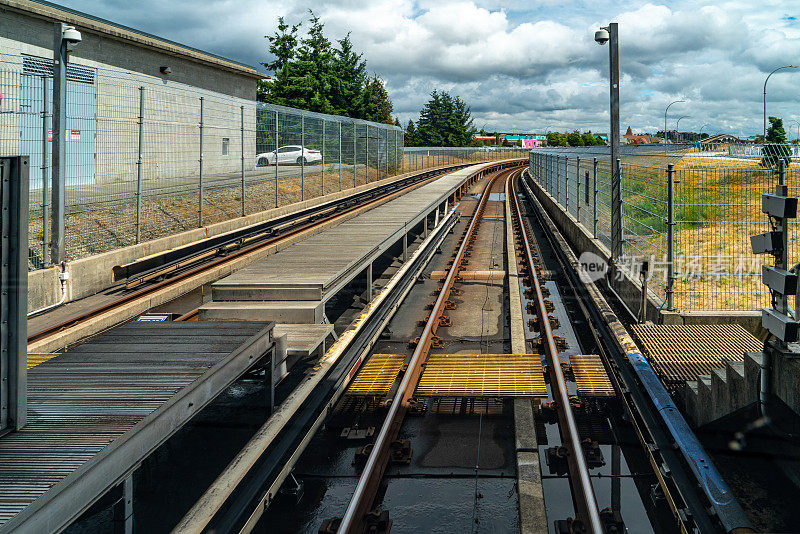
(526, 65)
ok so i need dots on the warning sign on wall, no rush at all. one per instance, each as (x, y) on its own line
(50, 134)
(74, 134)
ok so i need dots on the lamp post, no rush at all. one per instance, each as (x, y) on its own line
(65, 37)
(665, 122)
(765, 95)
(610, 34)
(798, 130)
(700, 134)
(678, 126)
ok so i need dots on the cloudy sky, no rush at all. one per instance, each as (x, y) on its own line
(529, 65)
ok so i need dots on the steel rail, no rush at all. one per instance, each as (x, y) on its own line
(683, 468)
(581, 484)
(369, 481)
(142, 292)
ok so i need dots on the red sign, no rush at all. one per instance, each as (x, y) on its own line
(74, 134)
(50, 134)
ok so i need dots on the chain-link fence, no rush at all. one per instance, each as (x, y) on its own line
(697, 204)
(146, 159)
(418, 158)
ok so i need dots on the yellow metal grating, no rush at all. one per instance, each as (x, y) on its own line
(590, 376)
(682, 352)
(35, 358)
(376, 377)
(482, 375)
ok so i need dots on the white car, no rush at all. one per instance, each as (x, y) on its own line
(289, 155)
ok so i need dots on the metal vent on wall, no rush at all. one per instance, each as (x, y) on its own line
(38, 66)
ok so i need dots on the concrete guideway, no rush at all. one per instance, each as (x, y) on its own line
(293, 285)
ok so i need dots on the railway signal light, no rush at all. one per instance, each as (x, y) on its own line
(781, 281)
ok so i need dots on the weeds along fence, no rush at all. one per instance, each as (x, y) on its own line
(688, 209)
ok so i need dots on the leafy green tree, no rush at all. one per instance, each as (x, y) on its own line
(444, 121)
(348, 81)
(574, 139)
(311, 73)
(775, 148)
(411, 134)
(282, 45)
(775, 132)
(556, 139)
(377, 106)
(589, 139)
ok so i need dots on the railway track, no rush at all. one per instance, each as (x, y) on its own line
(363, 498)
(144, 278)
(581, 484)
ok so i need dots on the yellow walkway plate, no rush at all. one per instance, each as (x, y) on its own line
(590, 376)
(682, 352)
(482, 375)
(376, 377)
(35, 359)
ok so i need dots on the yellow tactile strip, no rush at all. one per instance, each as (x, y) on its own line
(35, 359)
(482, 375)
(376, 377)
(682, 352)
(590, 376)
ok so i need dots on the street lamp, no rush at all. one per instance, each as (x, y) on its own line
(678, 127)
(798, 130)
(765, 95)
(665, 123)
(603, 36)
(65, 37)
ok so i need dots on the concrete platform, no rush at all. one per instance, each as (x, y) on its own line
(315, 269)
(303, 340)
(283, 311)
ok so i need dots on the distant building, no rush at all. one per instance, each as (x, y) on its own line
(528, 140)
(631, 138)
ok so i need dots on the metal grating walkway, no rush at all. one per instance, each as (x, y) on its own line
(683, 352)
(377, 375)
(96, 411)
(482, 375)
(590, 376)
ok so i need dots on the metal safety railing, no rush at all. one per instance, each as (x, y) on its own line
(689, 210)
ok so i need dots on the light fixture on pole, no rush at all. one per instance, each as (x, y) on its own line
(765, 95)
(678, 127)
(65, 37)
(665, 122)
(798, 129)
(609, 34)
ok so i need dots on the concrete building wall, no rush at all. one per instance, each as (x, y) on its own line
(111, 46)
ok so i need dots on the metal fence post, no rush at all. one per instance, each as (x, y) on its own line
(366, 154)
(323, 156)
(302, 157)
(616, 209)
(340, 155)
(45, 176)
(594, 197)
(354, 153)
(139, 167)
(200, 211)
(276, 159)
(578, 188)
(670, 237)
(566, 183)
(244, 211)
(59, 146)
